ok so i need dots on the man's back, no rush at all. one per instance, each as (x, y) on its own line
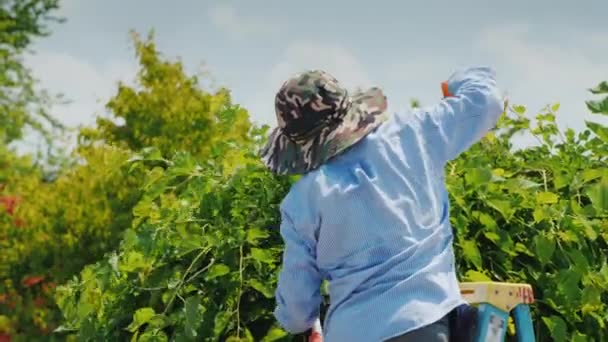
(374, 221)
(384, 243)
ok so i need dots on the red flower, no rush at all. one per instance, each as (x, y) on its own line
(5, 338)
(39, 302)
(18, 223)
(9, 202)
(31, 281)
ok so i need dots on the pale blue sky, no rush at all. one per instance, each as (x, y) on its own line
(543, 51)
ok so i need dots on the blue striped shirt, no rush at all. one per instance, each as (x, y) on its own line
(374, 222)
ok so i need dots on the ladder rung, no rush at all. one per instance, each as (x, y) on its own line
(504, 296)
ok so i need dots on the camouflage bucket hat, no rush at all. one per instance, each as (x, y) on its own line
(317, 120)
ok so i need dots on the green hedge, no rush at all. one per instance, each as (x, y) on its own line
(200, 260)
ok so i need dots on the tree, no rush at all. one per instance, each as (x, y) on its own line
(82, 213)
(21, 105)
(168, 110)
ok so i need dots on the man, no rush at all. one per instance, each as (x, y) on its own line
(370, 213)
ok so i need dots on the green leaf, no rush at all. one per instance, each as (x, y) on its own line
(274, 334)
(579, 261)
(262, 255)
(521, 248)
(478, 176)
(545, 246)
(255, 234)
(519, 109)
(184, 165)
(592, 174)
(153, 336)
(578, 337)
(504, 207)
(217, 270)
(262, 288)
(561, 180)
(540, 214)
(475, 276)
(492, 236)
(598, 107)
(325, 288)
(487, 220)
(591, 299)
(587, 227)
(568, 284)
(87, 330)
(601, 88)
(557, 327)
(141, 317)
(600, 130)
(546, 198)
(598, 193)
(133, 261)
(221, 321)
(525, 184)
(147, 153)
(555, 107)
(471, 253)
(193, 317)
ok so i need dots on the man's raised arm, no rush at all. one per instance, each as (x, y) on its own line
(472, 106)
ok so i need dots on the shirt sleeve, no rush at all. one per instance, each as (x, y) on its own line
(461, 120)
(298, 291)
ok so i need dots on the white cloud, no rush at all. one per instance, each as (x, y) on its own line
(238, 25)
(301, 56)
(85, 86)
(540, 73)
(334, 59)
(415, 78)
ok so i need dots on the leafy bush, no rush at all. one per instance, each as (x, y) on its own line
(200, 259)
(192, 218)
(540, 216)
(64, 223)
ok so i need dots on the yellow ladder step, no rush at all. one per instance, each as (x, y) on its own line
(504, 296)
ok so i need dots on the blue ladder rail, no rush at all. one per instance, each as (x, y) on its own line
(496, 302)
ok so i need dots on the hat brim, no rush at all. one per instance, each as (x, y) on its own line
(284, 156)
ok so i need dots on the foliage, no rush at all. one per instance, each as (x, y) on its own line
(199, 261)
(56, 228)
(540, 216)
(169, 111)
(180, 239)
(62, 224)
(599, 106)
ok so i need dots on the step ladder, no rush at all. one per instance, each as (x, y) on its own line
(495, 302)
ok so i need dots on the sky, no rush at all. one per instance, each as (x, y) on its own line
(543, 51)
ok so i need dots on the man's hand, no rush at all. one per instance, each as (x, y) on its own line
(445, 90)
(315, 333)
(315, 337)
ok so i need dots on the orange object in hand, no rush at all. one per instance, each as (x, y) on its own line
(446, 90)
